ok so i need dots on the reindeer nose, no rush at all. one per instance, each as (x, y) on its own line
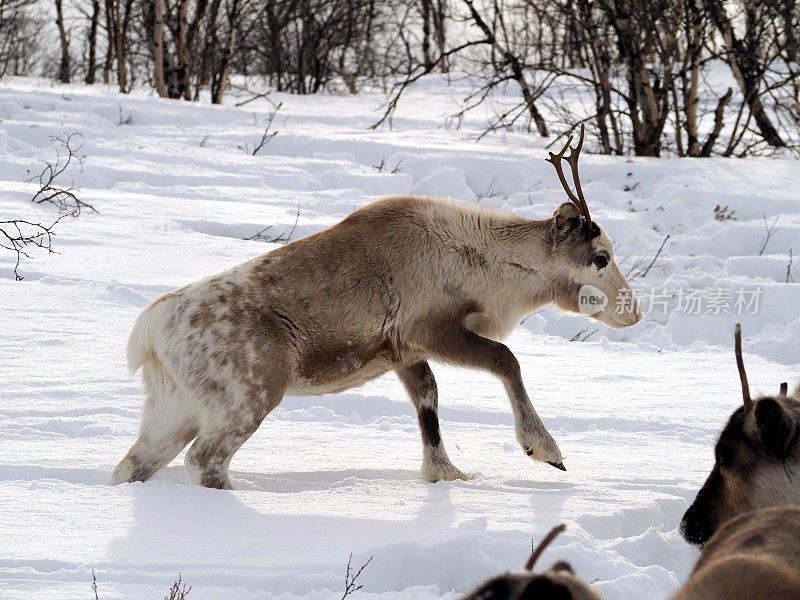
(630, 313)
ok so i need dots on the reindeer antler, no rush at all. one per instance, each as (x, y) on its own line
(543, 546)
(572, 159)
(737, 339)
(784, 388)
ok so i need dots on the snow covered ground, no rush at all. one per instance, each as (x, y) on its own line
(635, 411)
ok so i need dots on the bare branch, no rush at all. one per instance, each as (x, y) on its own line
(646, 270)
(771, 229)
(282, 238)
(350, 578)
(50, 187)
(267, 135)
(178, 591)
(19, 236)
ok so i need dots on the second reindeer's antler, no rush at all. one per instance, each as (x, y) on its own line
(543, 546)
(737, 341)
(574, 153)
(737, 345)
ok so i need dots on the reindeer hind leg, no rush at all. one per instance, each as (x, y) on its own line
(168, 424)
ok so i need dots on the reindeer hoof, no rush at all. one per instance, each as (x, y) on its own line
(445, 473)
(557, 465)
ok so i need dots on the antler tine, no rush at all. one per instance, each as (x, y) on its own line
(543, 546)
(784, 388)
(737, 339)
(572, 159)
(555, 160)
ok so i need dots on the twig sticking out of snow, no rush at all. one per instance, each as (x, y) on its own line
(789, 276)
(350, 579)
(254, 95)
(580, 337)
(18, 236)
(178, 591)
(51, 190)
(381, 165)
(724, 213)
(282, 238)
(268, 135)
(646, 270)
(771, 230)
(124, 120)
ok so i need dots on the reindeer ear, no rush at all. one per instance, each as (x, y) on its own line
(776, 426)
(499, 588)
(566, 216)
(563, 565)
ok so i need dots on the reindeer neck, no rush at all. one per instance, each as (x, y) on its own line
(523, 242)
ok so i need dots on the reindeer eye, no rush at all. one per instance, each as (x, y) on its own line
(600, 261)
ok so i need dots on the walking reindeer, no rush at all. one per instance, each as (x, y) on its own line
(402, 280)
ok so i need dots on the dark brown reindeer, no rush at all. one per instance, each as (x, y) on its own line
(753, 556)
(557, 583)
(757, 460)
(400, 281)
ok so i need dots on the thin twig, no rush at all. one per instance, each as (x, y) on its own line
(577, 337)
(18, 235)
(178, 591)
(646, 270)
(350, 579)
(282, 238)
(771, 230)
(267, 135)
(50, 189)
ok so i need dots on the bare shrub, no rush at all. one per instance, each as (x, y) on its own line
(20, 237)
(351, 577)
(51, 189)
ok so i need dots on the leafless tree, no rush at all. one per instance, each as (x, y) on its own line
(91, 59)
(65, 67)
(18, 27)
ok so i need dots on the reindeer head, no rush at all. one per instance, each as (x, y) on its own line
(589, 278)
(558, 583)
(757, 460)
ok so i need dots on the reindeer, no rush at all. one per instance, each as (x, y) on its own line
(757, 460)
(754, 555)
(400, 281)
(558, 583)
